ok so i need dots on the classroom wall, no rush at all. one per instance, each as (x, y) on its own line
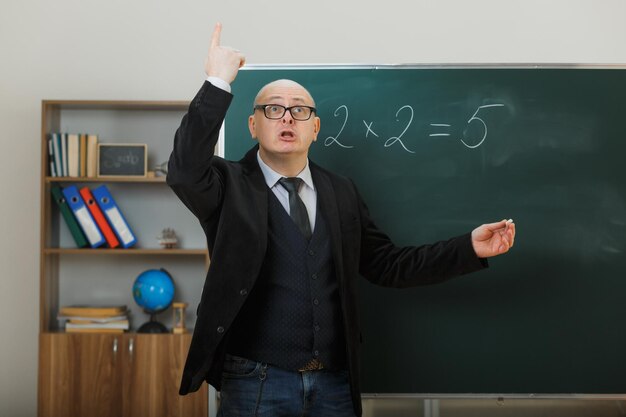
(71, 49)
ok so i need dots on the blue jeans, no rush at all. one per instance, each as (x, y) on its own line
(252, 388)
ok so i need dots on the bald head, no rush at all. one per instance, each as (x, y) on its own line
(278, 87)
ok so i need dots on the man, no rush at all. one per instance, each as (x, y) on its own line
(277, 328)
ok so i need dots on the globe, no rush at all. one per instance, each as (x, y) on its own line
(153, 291)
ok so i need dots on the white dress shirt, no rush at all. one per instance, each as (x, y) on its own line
(219, 83)
(306, 192)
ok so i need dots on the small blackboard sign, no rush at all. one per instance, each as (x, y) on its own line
(122, 159)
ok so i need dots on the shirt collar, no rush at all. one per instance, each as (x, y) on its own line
(272, 177)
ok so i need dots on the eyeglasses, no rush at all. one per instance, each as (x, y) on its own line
(276, 111)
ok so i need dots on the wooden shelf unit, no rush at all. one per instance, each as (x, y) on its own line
(64, 357)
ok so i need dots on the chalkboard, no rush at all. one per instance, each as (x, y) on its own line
(122, 159)
(438, 151)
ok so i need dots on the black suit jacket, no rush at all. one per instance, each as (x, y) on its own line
(230, 199)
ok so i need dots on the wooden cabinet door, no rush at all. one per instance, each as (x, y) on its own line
(152, 373)
(79, 374)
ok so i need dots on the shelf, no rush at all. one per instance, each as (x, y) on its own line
(132, 332)
(116, 105)
(154, 180)
(116, 252)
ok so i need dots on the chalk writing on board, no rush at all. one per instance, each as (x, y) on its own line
(440, 125)
(335, 139)
(474, 117)
(470, 140)
(120, 159)
(397, 139)
(369, 129)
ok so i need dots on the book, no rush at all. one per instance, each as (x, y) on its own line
(114, 215)
(53, 169)
(92, 311)
(70, 220)
(92, 156)
(95, 319)
(73, 155)
(64, 154)
(83, 155)
(83, 216)
(99, 321)
(92, 330)
(97, 215)
(124, 325)
(56, 149)
(90, 326)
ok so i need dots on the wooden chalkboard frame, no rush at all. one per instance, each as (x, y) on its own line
(125, 170)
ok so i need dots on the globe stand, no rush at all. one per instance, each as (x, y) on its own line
(152, 326)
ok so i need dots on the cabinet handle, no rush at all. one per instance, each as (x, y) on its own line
(115, 347)
(131, 348)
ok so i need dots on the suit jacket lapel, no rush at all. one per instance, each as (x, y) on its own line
(328, 205)
(258, 194)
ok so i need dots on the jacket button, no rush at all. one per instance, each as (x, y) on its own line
(314, 276)
(243, 292)
(312, 252)
(316, 301)
(220, 329)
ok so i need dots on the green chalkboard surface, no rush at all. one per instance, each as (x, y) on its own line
(438, 151)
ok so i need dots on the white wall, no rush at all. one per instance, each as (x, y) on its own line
(140, 49)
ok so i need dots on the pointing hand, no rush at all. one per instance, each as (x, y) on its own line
(222, 62)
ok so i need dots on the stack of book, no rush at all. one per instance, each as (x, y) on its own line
(73, 154)
(93, 217)
(93, 319)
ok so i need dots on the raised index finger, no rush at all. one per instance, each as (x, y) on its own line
(215, 38)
